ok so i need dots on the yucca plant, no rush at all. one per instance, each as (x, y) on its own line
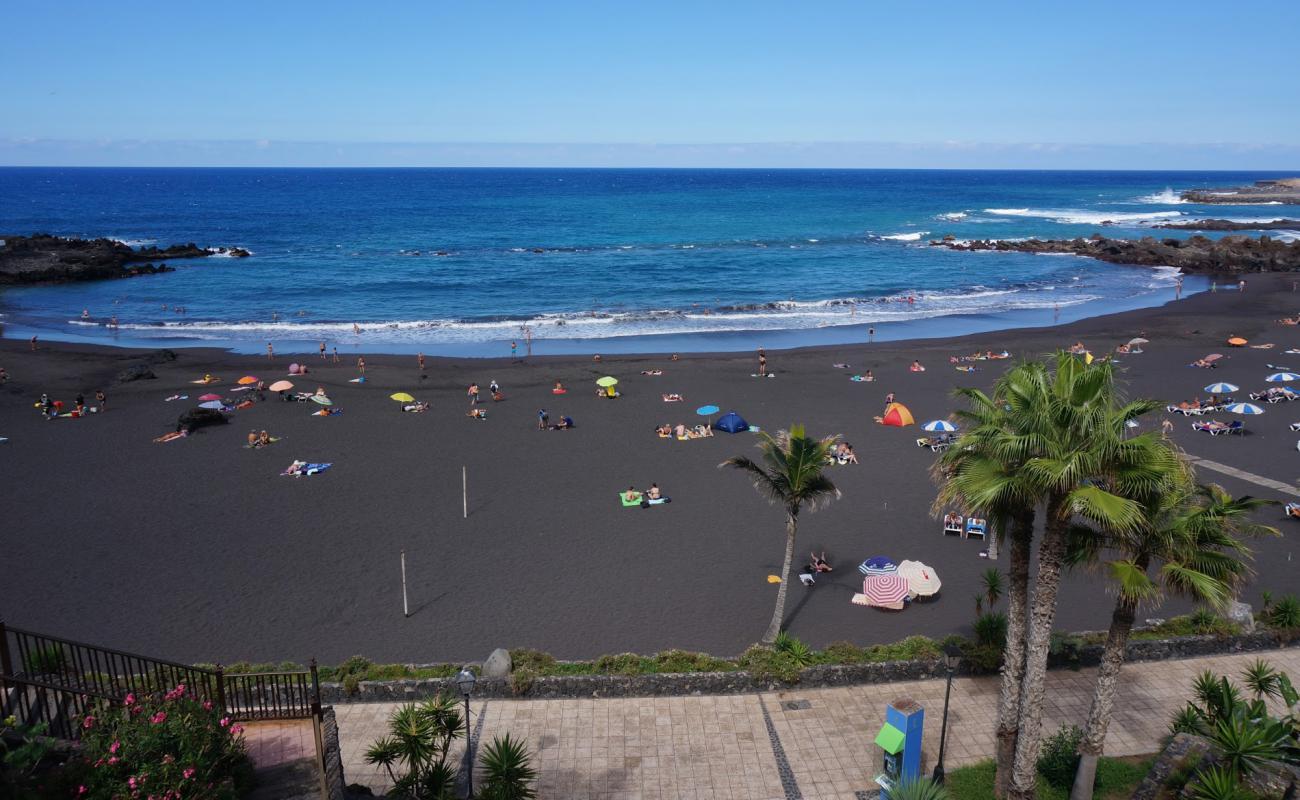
(1217, 783)
(1285, 613)
(992, 580)
(507, 771)
(1248, 743)
(918, 789)
(415, 751)
(799, 653)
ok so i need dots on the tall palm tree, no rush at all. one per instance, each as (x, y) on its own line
(790, 474)
(1071, 425)
(982, 472)
(1192, 536)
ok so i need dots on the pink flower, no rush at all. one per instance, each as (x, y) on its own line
(88, 722)
(81, 790)
(112, 760)
(159, 718)
(224, 722)
(236, 729)
(188, 773)
(169, 759)
(130, 698)
(112, 748)
(207, 705)
(131, 781)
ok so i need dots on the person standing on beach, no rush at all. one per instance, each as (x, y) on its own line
(102, 400)
(871, 334)
(270, 352)
(472, 394)
(322, 351)
(419, 357)
(514, 350)
(1178, 288)
(336, 354)
(361, 364)
(762, 363)
(33, 344)
(542, 419)
(1241, 285)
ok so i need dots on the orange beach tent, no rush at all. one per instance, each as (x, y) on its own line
(897, 414)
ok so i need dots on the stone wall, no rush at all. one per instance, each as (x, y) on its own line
(335, 785)
(1173, 774)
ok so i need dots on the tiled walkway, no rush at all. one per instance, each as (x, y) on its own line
(732, 746)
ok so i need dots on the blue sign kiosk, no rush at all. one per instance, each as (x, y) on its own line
(900, 743)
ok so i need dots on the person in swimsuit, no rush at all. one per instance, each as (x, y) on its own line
(819, 562)
(653, 492)
(252, 439)
(631, 495)
(102, 400)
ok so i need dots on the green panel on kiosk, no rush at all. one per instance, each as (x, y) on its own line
(890, 739)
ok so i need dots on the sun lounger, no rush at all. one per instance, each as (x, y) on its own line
(1293, 510)
(300, 468)
(975, 527)
(1214, 427)
(953, 525)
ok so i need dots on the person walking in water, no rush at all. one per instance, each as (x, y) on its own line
(514, 350)
(270, 351)
(336, 354)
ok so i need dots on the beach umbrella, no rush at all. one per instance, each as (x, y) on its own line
(606, 382)
(281, 386)
(206, 397)
(247, 380)
(403, 397)
(1237, 341)
(939, 425)
(215, 405)
(322, 399)
(878, 565)
(1221, 388)
(1139, 340)
(1280, 377)
(1213, 357)
(1244, 408)
(707, 411)
(886, 591)
(921, 578)
(897, 414)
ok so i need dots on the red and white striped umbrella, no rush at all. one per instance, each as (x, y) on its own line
(885, 591)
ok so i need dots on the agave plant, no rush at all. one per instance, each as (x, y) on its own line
(1217, 783)
(918, 789)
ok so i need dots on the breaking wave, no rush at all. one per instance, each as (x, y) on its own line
(1166, 198)
(1080, 217)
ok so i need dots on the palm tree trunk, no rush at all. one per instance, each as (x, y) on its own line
(1051, 560)
(1103, 700)
(778, 615)
(1013, 655)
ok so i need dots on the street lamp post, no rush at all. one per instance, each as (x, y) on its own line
(951, 658)
(465, 682)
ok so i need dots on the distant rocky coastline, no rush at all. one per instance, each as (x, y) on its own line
(41, 258)
(1282, 190)
(1231, 225)
(1197, 254)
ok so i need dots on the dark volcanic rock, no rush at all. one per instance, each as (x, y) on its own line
(1229, 225)
(42, 258)
(1198, 254)
(135, 372)
(200, 418)
(1282, 190)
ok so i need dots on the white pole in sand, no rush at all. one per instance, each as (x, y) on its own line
(406, 609)
(464, 492)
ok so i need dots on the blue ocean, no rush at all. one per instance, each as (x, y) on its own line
(464, 261)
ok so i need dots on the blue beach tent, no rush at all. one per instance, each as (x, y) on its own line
(731, 422)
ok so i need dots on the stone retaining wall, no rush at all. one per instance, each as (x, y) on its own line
(698, 683)
(335, 785)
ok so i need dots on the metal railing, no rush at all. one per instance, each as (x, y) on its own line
(59, 710)
(273, 695)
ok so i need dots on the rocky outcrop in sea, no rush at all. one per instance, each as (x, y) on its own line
(1197, 254)
(42, 258)
(1282, 190)
(1231, 225)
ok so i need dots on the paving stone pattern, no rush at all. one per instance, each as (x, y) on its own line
(732, 747)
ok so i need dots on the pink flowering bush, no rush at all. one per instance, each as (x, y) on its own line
(163, 747)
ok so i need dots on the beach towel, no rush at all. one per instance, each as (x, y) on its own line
(860, 379)
(559, 391)
(630, 503)
(327, 412)
(860, 599)
(645, 503)
(362, 379)
(205, 381)
(170, 437)
(840, 366)
(305, 469)
(768, 375)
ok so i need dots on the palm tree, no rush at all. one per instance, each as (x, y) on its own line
(982, 471)
(1073, 420)
(1193, 537)
(790, 473)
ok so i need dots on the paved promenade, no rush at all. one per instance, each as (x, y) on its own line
(814, 744)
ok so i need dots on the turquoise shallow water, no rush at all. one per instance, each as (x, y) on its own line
(458, 262)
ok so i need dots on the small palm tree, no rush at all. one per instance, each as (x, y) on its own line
(789, 473)
(414, 753)
(508, 771)
(992, 580)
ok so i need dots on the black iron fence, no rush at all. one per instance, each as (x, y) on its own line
(57, 710)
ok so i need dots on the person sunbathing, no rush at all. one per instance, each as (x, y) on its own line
(1203, 364)
(559, 388)
(1123, 349)
(703, 431)
(653, 492)
(477, 413)
(1290, 320)
(252, 439)
(672, 398)
(951, 521)
(263, 439)
(1293, 510)
(170, 437)
(680, 431)
(664, 431)
(819, 562)
(563, 425)
(497, 397)
(916, 367)
(416, 408)
(652, 372)
(847, 456)
(1211, 425)
(246, 403)
(1078, 349)
(631, 495)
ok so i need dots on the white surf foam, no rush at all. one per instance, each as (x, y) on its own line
(915, 236)
(952, 216)
(1069, 216)
(1166, 198)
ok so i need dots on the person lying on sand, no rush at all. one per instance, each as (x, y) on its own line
(564, 424)
(680, 431)
(1290, 320)
(559, 388)
(263, 439)
(416, 408)
(252, 438)
(631, 495)
(1078, 349)
(653, 492)
(652, 372)
(673, 398)
(171, 437)
(916, 367)
(664, 431)
(847, 456)
(1203, 364)
(819, 562)
(477, 413)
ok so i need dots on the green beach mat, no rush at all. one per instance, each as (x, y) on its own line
(629, 503)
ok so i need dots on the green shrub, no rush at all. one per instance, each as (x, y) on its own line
(920, 788)
(685, 661)
(991, 629)
(843, 653)
(508, 773)
(164, 745)
(620, 664)
(533, 659)
(982, 658)
(913, 648)
(798, 652)
(1217, 783)
(1285, 614)
(521, 680)
(1059, 758)
(767, 664)
(1204, 621)
(46, 660)
(1067, 649)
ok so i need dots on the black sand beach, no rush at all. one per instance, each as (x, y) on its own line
(199, 550)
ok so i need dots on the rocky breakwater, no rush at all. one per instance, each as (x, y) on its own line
(1197, 254)
(41, 258)
(1281, 190)
(1232, 225)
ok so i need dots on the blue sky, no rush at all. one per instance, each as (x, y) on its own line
(667, 83)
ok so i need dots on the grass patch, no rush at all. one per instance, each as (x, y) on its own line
(1117, 777)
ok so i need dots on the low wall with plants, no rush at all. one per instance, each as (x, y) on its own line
(791, 663)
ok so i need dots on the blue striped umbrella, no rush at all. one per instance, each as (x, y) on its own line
(1221, 388)
(940, 425)
(1244, 408)
(878, 565)
(1282, 377)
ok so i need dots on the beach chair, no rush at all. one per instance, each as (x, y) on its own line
(1238, 427)
(975, 527)
(1295, 426)
(953, 525)
(1293, 510)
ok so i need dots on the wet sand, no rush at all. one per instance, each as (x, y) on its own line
(199, 550)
